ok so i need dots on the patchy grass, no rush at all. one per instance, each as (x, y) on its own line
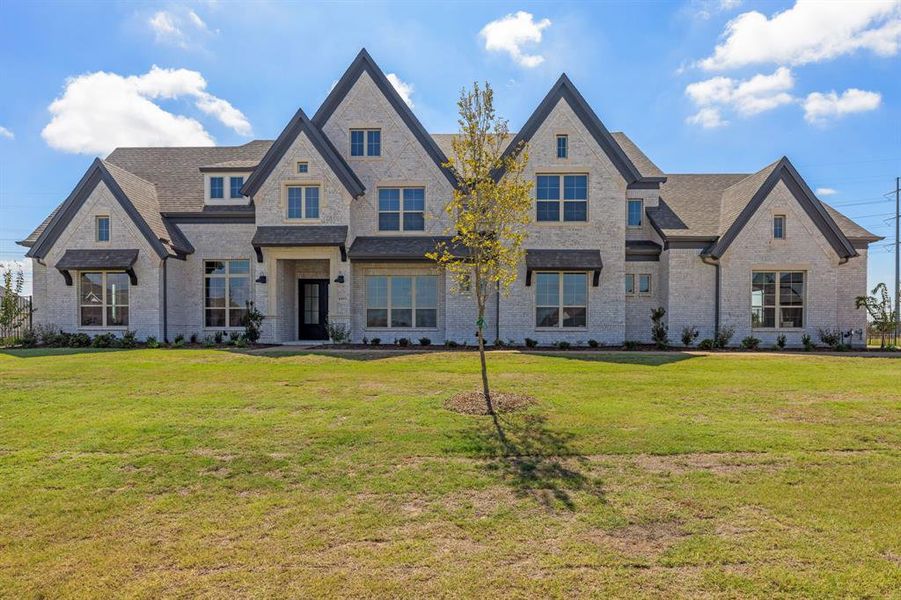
(207, 473)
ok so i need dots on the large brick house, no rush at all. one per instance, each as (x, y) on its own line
(333, 218)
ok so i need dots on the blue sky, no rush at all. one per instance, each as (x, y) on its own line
(701, 86)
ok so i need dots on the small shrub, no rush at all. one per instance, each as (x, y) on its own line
(151, 342)
(193, 338)
(780, 341)
(706, 344)
(129, 339)
(179, 341)
(76, 340)
(402, 342)
(209, 341)
(46, 334)
(807, 342)
(530, 343)
(631, 345)
(241, 341)
(659, 330)
(218, 337)
(365, 341)
(830, 337)
(339, 333)
(750, 343)
(424, 341)
(562, 345)
(842, 347)
(724, 336)
(593, 343)
(29, 339)
(253, 324)
(103, 340)
(376, 341)
(450, 344)
(498, 343)
(689, 334)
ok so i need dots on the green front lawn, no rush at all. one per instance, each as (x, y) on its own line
(202, 472)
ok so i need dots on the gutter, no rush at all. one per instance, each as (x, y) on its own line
(497, 312)
(716, 292)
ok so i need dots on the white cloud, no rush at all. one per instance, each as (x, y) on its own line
(820, 108)
(810, 31)
(99, 111)
(403, 88)
(510, 33)
(707, 118)
(705, 9)
(825, 191)
(4, 132)
(179, 27)
(746, 97)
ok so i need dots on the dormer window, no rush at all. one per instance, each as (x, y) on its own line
(236, 183)
(102, 227)
(303, 167)
(562, 146)
(217, 188)
(365, 142)
(779, 227)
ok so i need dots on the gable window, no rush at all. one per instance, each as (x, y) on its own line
(102, 226)
(303, 167)
(217, 187)
(777, 299)
(365, 142)
(226, 291)
(561, 299)
(402, 209)
(402, 301)
(779, 227)
(630, 283)
(562, 146)
(634, 213)
(303, 202)
(235, 183)
(103, 299)
(574, 191)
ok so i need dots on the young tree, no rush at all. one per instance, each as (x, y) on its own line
(879, 307)
(489, 210)
(12, 313)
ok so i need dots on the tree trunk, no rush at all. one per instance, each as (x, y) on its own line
(485, 391)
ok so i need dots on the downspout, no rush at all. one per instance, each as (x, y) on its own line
(497, 312)
(716, 293)
(165, 303)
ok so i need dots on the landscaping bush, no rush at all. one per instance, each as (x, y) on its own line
(807, 342)
(450, 344)
(530, 343)
(830, 337)
(376, 341)
(75, 340)
(193, 338)
(129, 339)
(339, 333)
(706, 344)
(241, 341)
(593, 343)
(780, 341)
(218, 337)
(104, 340)
(253, 324)
(722, 339)
(689, 334)
(562, 345)
(424, 341)
(233, 337)
(498, 343)
(402, 342)
(29, 338)
(750, 343)
(209, 341)
(179, 341)
(631, 345)
(659, 330)
(151, 342)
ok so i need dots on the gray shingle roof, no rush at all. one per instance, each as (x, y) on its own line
(852, 230)
(643, 249)
(300, 235)
(401, 247)
(638, 158)
(564, 259)
(691, 204)
(74, 260)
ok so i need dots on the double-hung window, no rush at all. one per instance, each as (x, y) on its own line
(103, 299)
(402, 209)
(561, 299)
(402, 301)
(365, 142)
(102, 224)
(634, 210)
(303, 201)
(574, 191)
(562, 146)
(217, 188)
(226, 286)
(235, 185)
(777, 299)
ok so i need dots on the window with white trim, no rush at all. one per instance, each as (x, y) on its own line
(235, 185)
(573, 189)
(777, 299)
(402, 301)
(402, 209)
(103, 229)
(303, 201)
(217, 188)
(103, 299)
(561, 299)
(226, 292)
(365, 142)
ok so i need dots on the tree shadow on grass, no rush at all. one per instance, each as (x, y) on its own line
(533, 459)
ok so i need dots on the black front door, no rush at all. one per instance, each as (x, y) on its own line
(313, 308)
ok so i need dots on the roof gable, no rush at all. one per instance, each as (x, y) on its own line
(98, 172)
(564, 89)
(364, 63)
(298, 124)
(760, 184)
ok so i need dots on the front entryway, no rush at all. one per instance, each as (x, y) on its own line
(313, 309)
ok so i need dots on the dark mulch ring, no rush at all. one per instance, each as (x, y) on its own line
(473, 403)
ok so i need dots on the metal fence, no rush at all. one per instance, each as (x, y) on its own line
(876, 338)
(24, 304)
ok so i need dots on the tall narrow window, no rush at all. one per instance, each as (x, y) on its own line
(303, 202)
(561, 299)
(357, 147)
(574, 193)
(373, 142)
(235, 184)
(644, 283)
(103, 299)
(562, 146)
(365, 142)
(777, 299)
(401, 209)
(226, 292)
(634, 213)
(779, 227)
(103, 229)
(402, 301)
(217, 187)
(630, 283)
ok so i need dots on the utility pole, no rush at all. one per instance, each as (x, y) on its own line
(897, 260)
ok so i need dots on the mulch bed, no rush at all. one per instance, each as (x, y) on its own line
(473, 403)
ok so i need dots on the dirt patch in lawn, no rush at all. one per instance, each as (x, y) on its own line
(473, 403)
